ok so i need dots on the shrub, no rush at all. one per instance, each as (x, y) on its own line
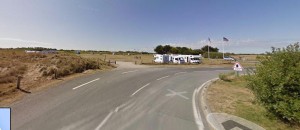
(215, 55)
(227, 76)
(276, 82)
(12, 73)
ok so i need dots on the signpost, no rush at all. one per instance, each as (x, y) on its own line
(237, 67)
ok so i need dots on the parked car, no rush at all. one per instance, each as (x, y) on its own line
(227, 58)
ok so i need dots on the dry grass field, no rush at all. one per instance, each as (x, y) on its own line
(147, 59)
(139, 59)
(37, 69)
(233, 97)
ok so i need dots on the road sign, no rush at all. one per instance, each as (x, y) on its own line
(237, 67)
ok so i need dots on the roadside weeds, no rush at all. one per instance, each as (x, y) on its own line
(236, 99)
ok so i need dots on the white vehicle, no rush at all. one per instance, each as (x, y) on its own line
(195, 59)
(229, 58)
(158, 58)
(178, 59)
(192, 58)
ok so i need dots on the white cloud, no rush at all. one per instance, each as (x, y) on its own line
(14, 42)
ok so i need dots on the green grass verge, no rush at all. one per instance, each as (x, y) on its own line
(235, 98)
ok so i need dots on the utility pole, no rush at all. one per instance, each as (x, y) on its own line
(223, 48)
(224, 40)
(208, 48)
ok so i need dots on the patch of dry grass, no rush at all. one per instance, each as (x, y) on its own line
(38, 69)
(236, 99)
(142, 58)
(147, 59)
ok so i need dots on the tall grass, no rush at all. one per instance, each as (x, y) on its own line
(228, 77)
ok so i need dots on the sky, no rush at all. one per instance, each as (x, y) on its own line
(252, 26)
(4, 119)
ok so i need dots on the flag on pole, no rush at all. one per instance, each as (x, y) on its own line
(225, 39)
(209, 40)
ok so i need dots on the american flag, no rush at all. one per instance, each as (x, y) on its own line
(225, 39)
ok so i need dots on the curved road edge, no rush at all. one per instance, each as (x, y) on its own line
(200, 108)
(217, 121)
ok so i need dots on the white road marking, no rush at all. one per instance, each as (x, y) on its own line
(85, 83)
(162, 77)
(173, 93)
(197, 115)
(139, 89)
(209, 70)
(129, 71)
(119, 107)
(190, 68)
(179, 73)
(104, 121)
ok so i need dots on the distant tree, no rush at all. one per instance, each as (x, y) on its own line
(211, 49)
(159, 49)
(167, 49)
(174, 50)
(197, 52)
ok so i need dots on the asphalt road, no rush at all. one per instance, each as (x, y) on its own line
(122, 99)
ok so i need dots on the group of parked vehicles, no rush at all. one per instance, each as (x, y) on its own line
(181, 59)
(177, 59)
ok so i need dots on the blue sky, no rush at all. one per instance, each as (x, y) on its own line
(5, 118)
(252, 26)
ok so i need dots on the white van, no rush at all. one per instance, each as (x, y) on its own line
(192, 58)
(178, 59)
(195, 59)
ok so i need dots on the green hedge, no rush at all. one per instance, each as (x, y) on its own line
(276, 82)
(216, 55)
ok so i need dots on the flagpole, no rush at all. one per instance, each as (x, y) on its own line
(223, 48)
(208, 49)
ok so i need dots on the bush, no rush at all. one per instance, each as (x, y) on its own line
(216, 55)
(228, 77)
(276, 82)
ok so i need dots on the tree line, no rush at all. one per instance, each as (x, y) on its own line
(167, 49)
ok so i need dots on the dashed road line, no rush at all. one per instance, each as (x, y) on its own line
(180, 73)
(139, 89)
(129, 71)
(162, 77)
(85, 83)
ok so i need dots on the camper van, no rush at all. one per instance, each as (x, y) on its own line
(178, 59)
(195, 59)
(158, 58)
(192, 58)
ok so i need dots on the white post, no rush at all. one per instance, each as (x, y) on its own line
(208, 49)
(223, 48)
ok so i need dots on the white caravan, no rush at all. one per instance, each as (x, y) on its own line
(158, 58)
(178, 59)
(192, 58)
